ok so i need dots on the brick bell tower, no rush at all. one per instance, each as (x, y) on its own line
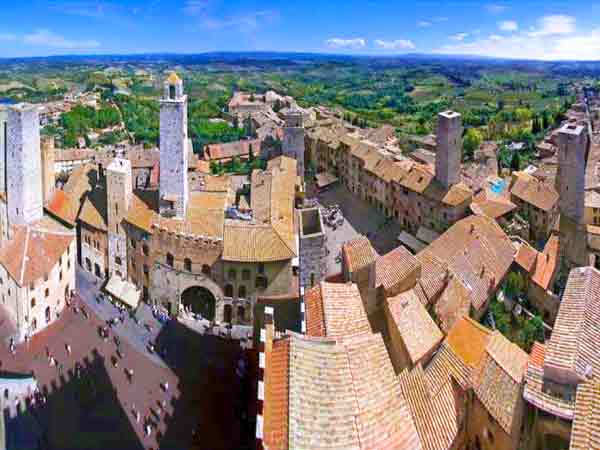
(174, 148)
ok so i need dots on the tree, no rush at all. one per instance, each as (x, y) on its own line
(277, 106)
(532, 331)
(545, 120)
(514, 285)
(250, 153)
(535, 125)
(515, 163)
(471, 142)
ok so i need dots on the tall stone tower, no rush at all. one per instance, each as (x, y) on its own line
(48, 179)
(570, 179)
(449, 148)
(3, 145)
(293, 138)
(119, 194)
(570, 184)
(174, 147)
(23, 165)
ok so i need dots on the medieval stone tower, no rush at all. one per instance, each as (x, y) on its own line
(570, 184)
(48, 178)
(119, 194)
(449, 148)
(23, 165)
(3, 145)
(312, 247)
(293, 138)
(174, 147)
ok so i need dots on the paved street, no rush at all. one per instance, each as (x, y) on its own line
(360, 218)
(100, 393)
(135, 332)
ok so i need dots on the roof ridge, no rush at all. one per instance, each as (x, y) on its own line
(355, 397)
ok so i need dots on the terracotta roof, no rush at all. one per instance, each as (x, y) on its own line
(419, 333)
(445, 364)
(573, 346)
(345, 395)
(585, 433)
(276, 404)
(143, 209)
(498, 381)
(393, 268)
(436, 410)
(34, 250)
(468, 340)
(526, 257)
(533, 191)
(335, 310)
(434, 274)
(63, 206)
(229, 150)
(271, 234)
(93, 211)
(494, 206)
(547, 263)
(453, 304)
(534, 391)
(476, 251)
(358, 253)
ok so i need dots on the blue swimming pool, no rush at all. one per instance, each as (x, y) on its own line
(498, 187)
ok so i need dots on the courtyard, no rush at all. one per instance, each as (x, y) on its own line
(361, 218)
(102, 392)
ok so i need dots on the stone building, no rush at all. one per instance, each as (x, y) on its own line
(570, 184)
(312, 247)
(174, 149)
(409, 192)
(37, 253)
(119, 193)
(293, 138)
(537, 203)
(561, 368)
(48, 175)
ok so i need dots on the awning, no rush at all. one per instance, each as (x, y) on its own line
(324, 179)
(411, 242)
(123, 291)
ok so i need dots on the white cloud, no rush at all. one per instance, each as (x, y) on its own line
(47, 38)
(195, 7)
(424, 24)
(525, 45)
(496, 8)
(440, 19)
(244, 22)
(398, 44)
(353, 44)
(553, 25)
(459, 36)
(508, 25)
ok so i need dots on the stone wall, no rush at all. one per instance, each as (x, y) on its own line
(449, 148)
(174, 155)
(312, 247)
(24, 172)
(94, 247)
(570, 178)
(293, 141)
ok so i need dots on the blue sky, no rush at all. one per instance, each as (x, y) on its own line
(523, 29)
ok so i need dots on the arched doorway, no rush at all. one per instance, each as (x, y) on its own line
(200, 300)
(227, 313)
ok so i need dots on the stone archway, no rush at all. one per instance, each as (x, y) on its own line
(200, 300)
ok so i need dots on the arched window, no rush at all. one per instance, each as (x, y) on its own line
(170, 260)
(187, 264)
(241, 314)
(228, 290)
(231, 274)
(312, 279)
(227, 313)
(145, 250)
(33, 302)
(47, 293)
(242, 292)
(206, 270)
(48, 316)
(245, 274)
